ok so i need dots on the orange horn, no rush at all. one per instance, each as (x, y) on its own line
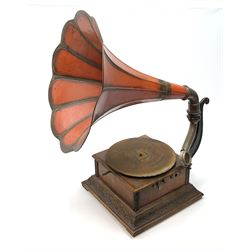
(89, 82)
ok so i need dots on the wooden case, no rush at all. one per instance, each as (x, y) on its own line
(139, 203)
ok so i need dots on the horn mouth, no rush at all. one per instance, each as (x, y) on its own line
(76, 84)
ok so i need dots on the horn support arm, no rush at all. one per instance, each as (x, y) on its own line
(194, 135)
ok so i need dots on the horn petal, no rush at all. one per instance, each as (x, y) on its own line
(75, 41)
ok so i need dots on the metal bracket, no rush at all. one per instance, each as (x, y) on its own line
(194, 135)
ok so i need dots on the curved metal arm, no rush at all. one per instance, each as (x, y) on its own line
(194, 135)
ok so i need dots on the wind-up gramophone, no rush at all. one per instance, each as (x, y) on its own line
(141, 181)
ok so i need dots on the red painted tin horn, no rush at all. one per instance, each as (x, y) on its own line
(89, 82)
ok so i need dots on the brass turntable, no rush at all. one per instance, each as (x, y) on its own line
(141, 157)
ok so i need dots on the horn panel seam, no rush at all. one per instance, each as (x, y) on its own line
(76, 79)
(62, 134)
(73, 103)
(81, 57)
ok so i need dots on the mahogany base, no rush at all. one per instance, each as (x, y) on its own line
(138, 221)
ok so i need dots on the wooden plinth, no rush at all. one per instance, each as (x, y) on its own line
(138, 221)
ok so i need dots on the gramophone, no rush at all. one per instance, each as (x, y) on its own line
(141, 181)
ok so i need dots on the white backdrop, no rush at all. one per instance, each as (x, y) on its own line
(43, 205)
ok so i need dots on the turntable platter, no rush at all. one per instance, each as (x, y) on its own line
(141, 157)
